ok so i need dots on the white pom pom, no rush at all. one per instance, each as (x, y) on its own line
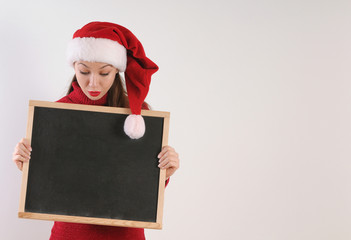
(134, 126)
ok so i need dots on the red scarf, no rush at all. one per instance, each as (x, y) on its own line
(78, 96)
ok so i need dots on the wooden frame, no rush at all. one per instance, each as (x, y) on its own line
(92, 220)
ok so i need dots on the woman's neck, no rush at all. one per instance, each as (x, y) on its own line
(78, 96)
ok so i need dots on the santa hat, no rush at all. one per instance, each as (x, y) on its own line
(111, 43)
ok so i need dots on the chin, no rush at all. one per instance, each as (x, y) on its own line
(94, 98)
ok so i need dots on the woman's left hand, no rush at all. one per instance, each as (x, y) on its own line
(169, 160)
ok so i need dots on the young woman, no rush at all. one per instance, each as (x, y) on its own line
(99, 51)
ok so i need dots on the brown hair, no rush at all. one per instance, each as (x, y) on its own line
(116, 95)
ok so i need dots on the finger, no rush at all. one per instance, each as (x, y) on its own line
(170, 155)
(170, 172)
(174, 162)
(20, 148)
(169, 165)
(163, 163)
(164, 156)
(24, 148)
(165, 149)
(168, 162)
(24, 152)
(19, 165)
(20, 158)
(25, 142)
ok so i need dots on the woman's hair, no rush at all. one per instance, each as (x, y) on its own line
(116, 95)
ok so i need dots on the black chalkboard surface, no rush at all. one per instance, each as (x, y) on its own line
(85, 169)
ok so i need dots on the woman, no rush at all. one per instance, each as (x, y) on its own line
(99, 51)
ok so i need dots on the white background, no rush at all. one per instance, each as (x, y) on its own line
(259, 94)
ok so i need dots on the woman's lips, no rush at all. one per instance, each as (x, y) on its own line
(94, 93)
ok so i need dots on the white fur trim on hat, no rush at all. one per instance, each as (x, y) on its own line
(134, 126)
(97, 50)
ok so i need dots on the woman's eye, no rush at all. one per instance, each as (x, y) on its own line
(85, 73)
(104, 74)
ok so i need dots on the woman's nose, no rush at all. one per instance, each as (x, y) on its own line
(93, 81)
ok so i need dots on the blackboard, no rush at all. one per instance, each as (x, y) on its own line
(85, 169)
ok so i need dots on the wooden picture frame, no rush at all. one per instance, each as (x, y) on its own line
(42, 122)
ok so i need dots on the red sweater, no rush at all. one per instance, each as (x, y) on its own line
(79, 231)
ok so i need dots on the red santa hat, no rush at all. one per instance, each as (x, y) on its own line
(111, 43)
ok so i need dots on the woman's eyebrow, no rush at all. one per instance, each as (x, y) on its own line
(106, 66)
(84, 65)
(100, 68)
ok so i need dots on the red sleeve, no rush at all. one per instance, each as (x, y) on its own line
(65, 99)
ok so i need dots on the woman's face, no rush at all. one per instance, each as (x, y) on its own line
(94, 78)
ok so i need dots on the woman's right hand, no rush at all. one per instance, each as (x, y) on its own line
(21, 153)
